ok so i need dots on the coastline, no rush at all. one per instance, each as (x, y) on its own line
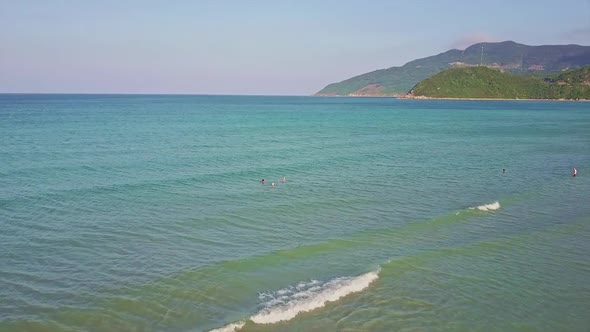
(445, 98)
(482, 99)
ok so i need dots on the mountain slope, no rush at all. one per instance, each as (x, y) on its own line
(483, 82)
(508, 55)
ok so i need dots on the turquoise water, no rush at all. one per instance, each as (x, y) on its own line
(146, 213)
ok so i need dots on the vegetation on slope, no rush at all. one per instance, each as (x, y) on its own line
(573, 84)
(510, 56)
(483, 82)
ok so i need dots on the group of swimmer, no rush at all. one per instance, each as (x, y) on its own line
(574, 172)
(283, 180)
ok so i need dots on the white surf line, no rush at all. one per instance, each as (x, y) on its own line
(487, 207)
(287, 303)
(312, 298)
(230, 327)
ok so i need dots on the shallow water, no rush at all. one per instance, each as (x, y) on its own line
(147, 213)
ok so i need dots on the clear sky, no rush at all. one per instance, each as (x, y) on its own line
(252, 47)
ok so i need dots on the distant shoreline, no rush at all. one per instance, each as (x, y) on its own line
(446, 98)
(491, 99)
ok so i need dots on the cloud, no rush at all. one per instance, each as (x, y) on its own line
(474, 38)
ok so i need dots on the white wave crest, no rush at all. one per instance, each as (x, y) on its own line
(287, 303)
(488, 207)
(230, 327)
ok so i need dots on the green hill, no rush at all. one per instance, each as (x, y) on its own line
(483, 82)
(508, 55)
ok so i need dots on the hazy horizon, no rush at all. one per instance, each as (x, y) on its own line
(267, 48)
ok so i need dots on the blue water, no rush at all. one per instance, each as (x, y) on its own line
(146, 212)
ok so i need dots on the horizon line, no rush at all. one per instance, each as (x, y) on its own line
(152, 94)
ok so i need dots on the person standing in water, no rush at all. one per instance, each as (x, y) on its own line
(283, 179)
(575, 172)
(263, 182)
(503, 170)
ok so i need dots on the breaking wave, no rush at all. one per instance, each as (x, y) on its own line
(287, 303)
(487, 207)
(284, 304)
(230, 327)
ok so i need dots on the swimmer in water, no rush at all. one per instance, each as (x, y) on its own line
(503, 170)
(263, 182)
(575, 172)
(272, 184)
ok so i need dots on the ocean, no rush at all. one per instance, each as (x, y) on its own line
(147, 213)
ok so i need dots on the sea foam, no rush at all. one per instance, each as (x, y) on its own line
(488, 207)
(284, 304)
(230, 327)
(287, 303)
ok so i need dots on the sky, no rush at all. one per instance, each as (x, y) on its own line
(264, 47)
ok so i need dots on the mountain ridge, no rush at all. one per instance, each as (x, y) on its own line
(507, 55)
